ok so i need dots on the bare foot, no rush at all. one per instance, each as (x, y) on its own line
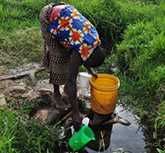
(76, 121)
(53, 115)
(58, 103)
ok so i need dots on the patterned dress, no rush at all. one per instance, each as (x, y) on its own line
(74, 31)
(65, 29)
(55, 57)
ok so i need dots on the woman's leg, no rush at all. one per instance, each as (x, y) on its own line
(56, 90)
(56, 96)
(58, 107)
(71, 87)
(58, 101)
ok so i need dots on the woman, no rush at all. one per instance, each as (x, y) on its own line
(70, 40)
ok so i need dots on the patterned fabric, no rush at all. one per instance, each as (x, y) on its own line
(54, 57)
(74, 31)
(56, 12)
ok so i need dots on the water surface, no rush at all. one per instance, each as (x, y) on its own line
(125, 138)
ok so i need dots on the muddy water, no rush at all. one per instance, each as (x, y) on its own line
(130, 138)
(125, 139)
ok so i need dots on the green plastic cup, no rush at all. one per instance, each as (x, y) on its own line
(81, 138)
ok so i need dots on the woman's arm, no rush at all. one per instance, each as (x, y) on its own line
(90, 71)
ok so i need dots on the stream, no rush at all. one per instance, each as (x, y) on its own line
(125, 139)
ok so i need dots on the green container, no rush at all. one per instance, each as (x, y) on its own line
(81, 138)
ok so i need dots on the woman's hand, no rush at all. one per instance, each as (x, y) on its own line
(91, 72)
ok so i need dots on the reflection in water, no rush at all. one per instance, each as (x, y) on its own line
(130, 138)
(103, 137)
(126, 139)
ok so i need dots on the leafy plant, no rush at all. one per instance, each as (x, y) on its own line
(19, 135)
(8, 122)
(141, 59)
(160, 119)
(160, 151)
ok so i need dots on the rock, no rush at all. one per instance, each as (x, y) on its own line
(16, 91)
(4, 85)
(2, 100)
(41, 115)
(32, 94)
(44, 91)
(3, 70)
(44, 84)
(119, 150)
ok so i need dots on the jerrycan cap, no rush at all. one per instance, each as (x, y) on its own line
(86, 121)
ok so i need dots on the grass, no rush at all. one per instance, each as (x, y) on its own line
(18, 134)
(140, 56)
(20, 47)
(20, 34)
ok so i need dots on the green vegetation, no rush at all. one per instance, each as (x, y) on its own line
(135, 29)
(160, 151)
(142, 50)
(21, 46)
(20, 35)
(20, 135)
(16, 14)
(140, 57)
(161, 116)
